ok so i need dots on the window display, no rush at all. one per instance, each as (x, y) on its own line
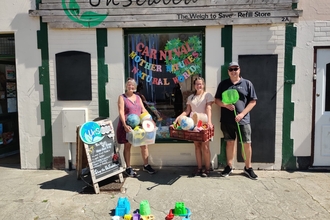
(164, 65)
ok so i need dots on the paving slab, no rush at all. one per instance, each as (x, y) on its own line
(57, 194)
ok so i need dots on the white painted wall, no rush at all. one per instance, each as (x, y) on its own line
(61, 40)
(313, 30)
(14, 19)
(264, 39)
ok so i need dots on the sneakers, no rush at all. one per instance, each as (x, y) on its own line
(250, 173)
(148, 169)
(130, 172)
(227, 171)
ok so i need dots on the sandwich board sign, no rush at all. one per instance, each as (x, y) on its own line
(99, 144)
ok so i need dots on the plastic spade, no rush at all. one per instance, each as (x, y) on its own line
(231, 96)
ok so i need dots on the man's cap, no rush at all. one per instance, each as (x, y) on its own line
(233, 64)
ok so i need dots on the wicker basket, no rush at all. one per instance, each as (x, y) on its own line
(202, 136)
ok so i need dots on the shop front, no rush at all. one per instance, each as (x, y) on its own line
(88, 48)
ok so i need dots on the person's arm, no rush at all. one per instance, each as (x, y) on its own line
(230, 107)
(121, 110)
(246, 110)
(209, 114)
(184, 113)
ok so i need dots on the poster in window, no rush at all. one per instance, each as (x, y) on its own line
(12, 105)
(10, 72)
(11, 89)
(164, 65)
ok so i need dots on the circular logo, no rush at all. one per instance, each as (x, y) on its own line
(90, 133)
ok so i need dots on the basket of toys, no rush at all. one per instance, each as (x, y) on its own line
(143, 129)
(186, 129)
(141, 137)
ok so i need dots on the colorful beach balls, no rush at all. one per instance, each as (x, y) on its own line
(133, 120)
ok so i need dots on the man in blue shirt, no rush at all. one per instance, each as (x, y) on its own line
(247, 100)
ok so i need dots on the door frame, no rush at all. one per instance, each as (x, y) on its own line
(314, 100)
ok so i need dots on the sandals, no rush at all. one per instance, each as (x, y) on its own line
(197, 172)
(205, 173)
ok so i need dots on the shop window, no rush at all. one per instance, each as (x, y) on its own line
(164, 63)
(9, 137)
(73, 76)
(327, 88)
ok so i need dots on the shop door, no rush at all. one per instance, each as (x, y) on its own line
(261, 70)
(322, 109)
(9, 139)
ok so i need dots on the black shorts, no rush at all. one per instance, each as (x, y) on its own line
(230, 132)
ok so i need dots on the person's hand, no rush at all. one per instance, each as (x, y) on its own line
(239, 117)
(127, 128)
(210, 125)
(230, 107)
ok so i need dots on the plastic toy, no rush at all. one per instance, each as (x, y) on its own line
(133, 120)
(123, 207)
(147, 217)
(187, 123)
(115, 218)
(179, 210)
(136, 216)
(144, 208)
(127, 217)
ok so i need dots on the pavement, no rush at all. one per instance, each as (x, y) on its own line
(58, 194)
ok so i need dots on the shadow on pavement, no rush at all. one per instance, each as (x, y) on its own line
(68, 182)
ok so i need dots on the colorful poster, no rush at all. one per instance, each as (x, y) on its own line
(10, 72)
(12, 105)
(165, 59)
(11, 89)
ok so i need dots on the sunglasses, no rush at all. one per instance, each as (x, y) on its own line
(233, 69)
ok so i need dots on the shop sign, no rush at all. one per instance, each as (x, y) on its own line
(163, 13)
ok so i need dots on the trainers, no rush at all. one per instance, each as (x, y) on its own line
(227, 171)
(250, 173)
(130, 172)
(148, 169)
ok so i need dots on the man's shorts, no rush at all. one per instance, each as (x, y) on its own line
(230, 132)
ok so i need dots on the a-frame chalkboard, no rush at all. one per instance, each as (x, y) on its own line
(99, 144)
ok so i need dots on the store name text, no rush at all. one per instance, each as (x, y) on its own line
(96, 3)
(221, 15)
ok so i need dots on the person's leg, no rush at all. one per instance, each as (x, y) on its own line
(198, 154)
(206, 154)
(145, 154)
(248, 154)
(127, 157)
(127, 154)
(229, 132)
(230, 152)
(246, 136)
(206, 157)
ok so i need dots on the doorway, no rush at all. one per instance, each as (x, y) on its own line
(261, 70)
(9, 140)
(322, 109)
